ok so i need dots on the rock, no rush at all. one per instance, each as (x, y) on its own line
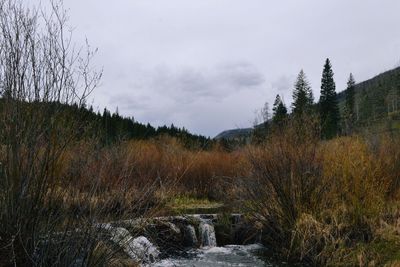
(139, 248)
(166, 235)
(143, 249)
(189, 236)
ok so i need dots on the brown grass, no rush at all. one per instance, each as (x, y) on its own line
(148, 173)
(326, 203)
(322, 203)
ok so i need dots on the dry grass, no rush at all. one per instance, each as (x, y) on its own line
(327, 203)
(154, 170)
(322, 203)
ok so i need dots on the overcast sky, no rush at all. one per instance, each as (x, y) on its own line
(209, 64)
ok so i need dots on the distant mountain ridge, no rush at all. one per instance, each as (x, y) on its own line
(376, 97)
(377, 104)
(234, 134)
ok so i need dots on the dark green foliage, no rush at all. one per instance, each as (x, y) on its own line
(349, 112)
(110, 128)
(302, 95)
(279, 111)
(328, 104)
(260, 132)
(376, 106)
(376, 101)
(350, 95)
(115, 127)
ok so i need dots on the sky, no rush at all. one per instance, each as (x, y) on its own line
(208, 65)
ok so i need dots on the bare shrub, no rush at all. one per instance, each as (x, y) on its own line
(320, 200)
(286, 180)
(40, 72)
(211, 174)
(139, 177)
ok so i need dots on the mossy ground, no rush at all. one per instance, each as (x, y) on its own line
(189, 205)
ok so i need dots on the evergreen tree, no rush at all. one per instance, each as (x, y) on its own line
(328, 105)
(302, 95)
(350, 104)
(279, 111)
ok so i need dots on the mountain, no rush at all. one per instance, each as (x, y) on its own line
(377, 101)
(234, 134)
(377, 105)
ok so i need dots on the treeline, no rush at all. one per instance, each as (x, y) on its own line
(111, 127)
(376, 99)
(327, 108)
(371, 103)
(329, 203)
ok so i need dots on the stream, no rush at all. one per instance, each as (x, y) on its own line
(194, 237)
(211, 255)
(230, 255)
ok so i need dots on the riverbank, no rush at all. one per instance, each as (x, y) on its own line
(181, 239)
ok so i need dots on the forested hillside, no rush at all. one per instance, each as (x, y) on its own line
(377, 101)
(112, 127)
(377, 106)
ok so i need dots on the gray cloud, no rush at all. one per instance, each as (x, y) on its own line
(163, 95)
(127, 102)
(208, 64)
(284, 83)
(188, 84)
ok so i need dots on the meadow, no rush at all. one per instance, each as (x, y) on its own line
(320, 196)
(318, 202)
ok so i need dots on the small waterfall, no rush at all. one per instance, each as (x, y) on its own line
(190, 236)
(207, 233)
(139, 248)
(144, 249)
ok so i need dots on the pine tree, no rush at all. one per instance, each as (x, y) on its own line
(279, 111)
(303, 98)
(350, 105)
(328, 105)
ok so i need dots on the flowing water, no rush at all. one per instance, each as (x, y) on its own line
(211, 255)
(200, 241)
(231, 255)
(207, 234)
(190, 234)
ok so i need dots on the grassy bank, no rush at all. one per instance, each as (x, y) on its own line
(64, 169)
(327, 202)
(321, 202)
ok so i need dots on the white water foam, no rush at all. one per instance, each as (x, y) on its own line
(139, 248)
(190, 234)
(232, 255)
(207, 233)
